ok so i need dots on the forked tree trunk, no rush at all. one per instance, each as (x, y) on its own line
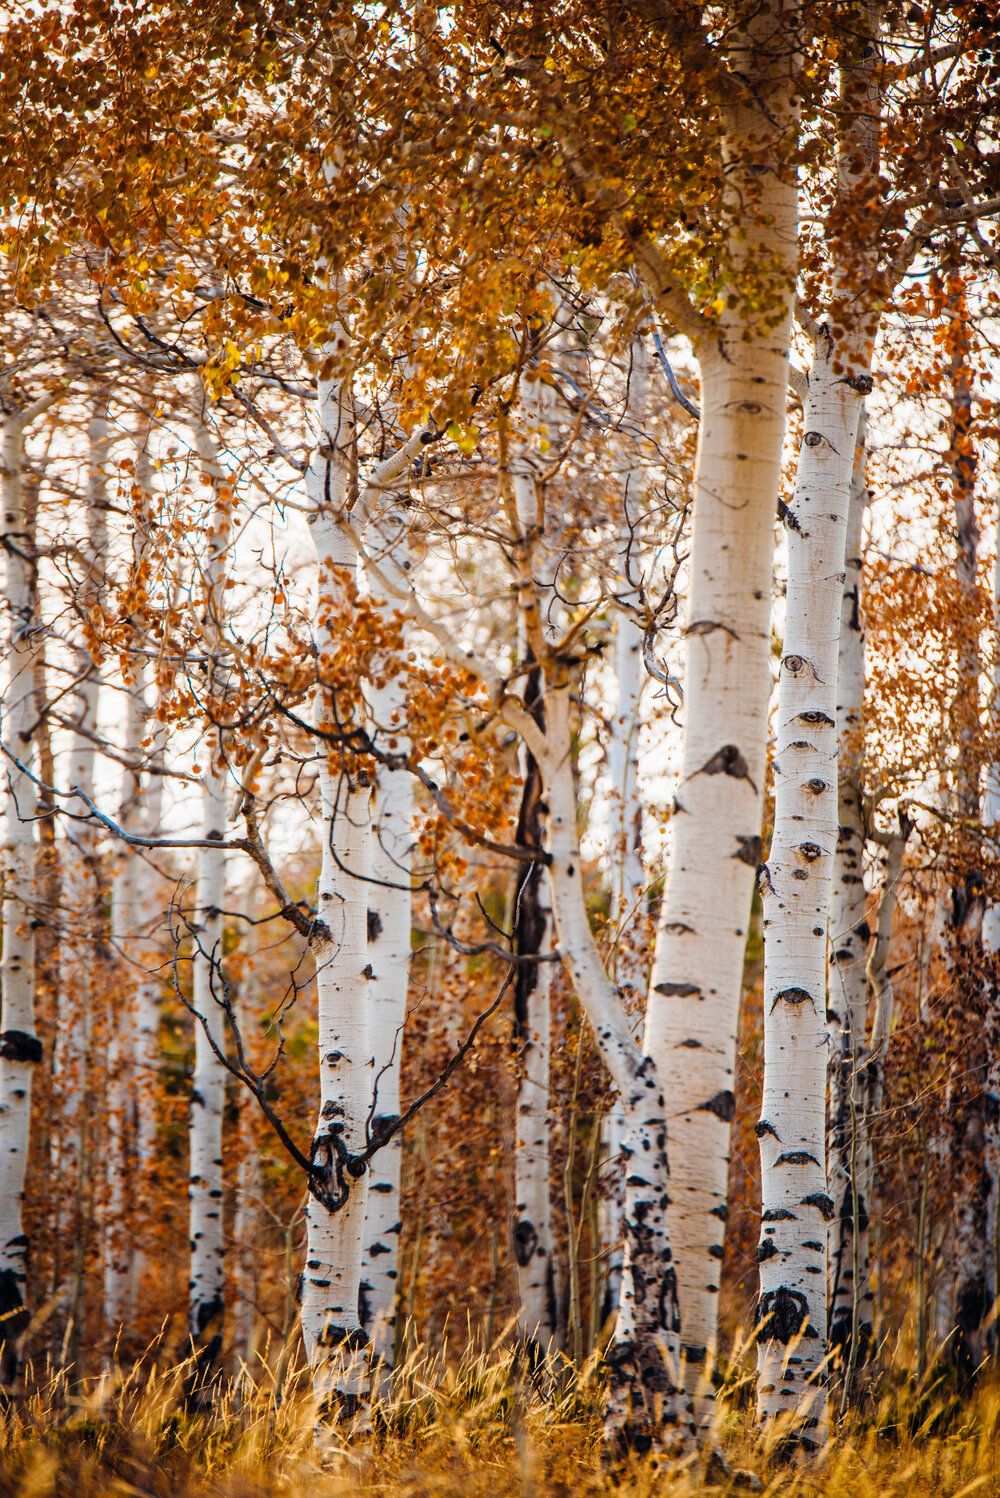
(796, 885)
(646, 1408)
(20, 1048)
(693, 1007)
(797, 881)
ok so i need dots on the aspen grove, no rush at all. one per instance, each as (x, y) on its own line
(500, 727)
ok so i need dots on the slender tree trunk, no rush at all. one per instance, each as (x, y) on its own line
(849, 1143)
(625, 830)
(796, 886)
(206, 1290)
(20, 1048)
(533, 1230)
(796, 883)
(82, 949)
(336, 1342)
(693, 1007)
(206, 1303)
(136, 916)
(646, 1405)
(389, 930)
(539, 1320)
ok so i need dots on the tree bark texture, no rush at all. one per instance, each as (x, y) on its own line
(628, 882)
(849, 1143)
(389, 937)
(796, 886)
(20, 1048)
(534, 1256)
(206, 1288)
(336, 1343)
(692, 1013)
(646, 1407)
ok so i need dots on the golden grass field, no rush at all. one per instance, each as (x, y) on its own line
(472, 1429)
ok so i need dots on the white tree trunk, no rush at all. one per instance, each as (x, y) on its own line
(206, 1299)
(82, 885)
(646, 1405)
(136, 916)
(693, 1006)
(206, 1289)
(535, 1259)
(850, 1296)
(539, 1319)
(625, 830)
(389, 926)
(336, 1343)
(795, 886)
(20, 1048)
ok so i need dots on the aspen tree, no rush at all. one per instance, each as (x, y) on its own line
(20, 1048)
(533, 1235)
(796, 882)
(646, 1407)
(206, 1304)
(82, 947)
(335, 1340)
(743, 358)
(625, 821)
(138, 898)
(849, 1143)
(388, 926)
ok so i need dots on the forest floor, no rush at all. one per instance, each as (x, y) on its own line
(469, 1431)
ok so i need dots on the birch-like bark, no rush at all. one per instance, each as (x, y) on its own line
(20, 1048)
(796, 886)
(849, 1142)
(533, 1230)
(79, 953)
(336, 1342)
(389, 931)
(206, 1286)
(534, 1256)
(693, 1008)
(136, 914)
(796, 883)
(625, 819)
(206, 1290)
(646, 1407)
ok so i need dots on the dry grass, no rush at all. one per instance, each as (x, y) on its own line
(474, 1429)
